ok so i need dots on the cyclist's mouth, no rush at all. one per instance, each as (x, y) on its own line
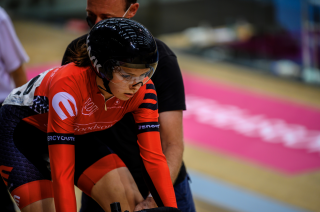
(129, 95)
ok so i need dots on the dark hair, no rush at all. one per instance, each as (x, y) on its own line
(80, 55)
(129, 2)
(81, 58)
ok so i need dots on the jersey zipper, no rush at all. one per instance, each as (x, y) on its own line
(105, 102)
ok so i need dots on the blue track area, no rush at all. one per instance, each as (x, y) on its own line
(234, 198)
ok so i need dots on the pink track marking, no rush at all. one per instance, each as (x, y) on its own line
(202, 130)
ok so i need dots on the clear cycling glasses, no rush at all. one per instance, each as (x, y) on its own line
(133, 74)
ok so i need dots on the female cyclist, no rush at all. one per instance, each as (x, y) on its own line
(45, 125)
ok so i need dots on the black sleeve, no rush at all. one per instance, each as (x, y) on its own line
(168, 81)
(71, 48)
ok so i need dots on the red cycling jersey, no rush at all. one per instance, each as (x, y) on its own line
(68, 103)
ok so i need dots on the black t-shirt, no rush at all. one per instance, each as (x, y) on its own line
(122, 137)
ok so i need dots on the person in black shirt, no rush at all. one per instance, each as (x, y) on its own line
(122, 137)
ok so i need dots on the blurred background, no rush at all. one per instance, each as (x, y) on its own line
(251, 71)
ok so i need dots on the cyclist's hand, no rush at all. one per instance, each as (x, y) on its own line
(146, 204)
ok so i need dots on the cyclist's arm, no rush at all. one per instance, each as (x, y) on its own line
(172, 147)
(146, 118)
(61, 140)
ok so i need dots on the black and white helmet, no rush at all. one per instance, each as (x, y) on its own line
(121, 42)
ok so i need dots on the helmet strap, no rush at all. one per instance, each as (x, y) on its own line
(106, 85)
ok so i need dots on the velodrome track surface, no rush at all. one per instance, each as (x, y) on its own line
(252, 141)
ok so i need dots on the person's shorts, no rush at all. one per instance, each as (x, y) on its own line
(24, 164)
(93, 160)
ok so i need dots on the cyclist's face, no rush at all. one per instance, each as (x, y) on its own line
(123, 88)
(98, 10)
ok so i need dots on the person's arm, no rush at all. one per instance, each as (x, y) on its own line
(19, 76)
(171, 98)
(156, 166)
(146, 118)
(171, 134)
(12, 53)
(62, 160)
(61, 141)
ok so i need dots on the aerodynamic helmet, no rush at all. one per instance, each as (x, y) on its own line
(121, 42)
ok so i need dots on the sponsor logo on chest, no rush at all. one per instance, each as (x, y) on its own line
(92, 127)
(89, 107)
